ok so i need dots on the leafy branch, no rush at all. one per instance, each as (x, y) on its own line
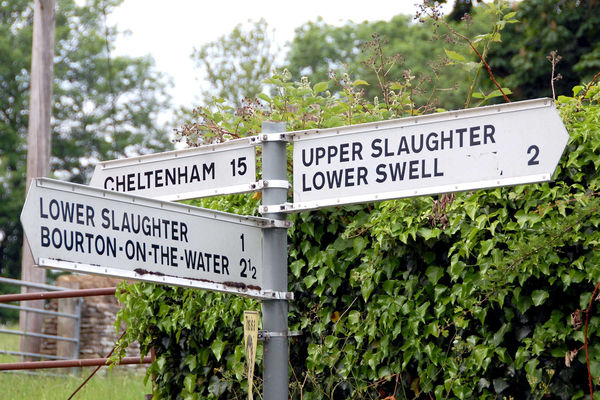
(589, 85)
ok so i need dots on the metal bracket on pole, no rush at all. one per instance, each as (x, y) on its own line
(278, 295)
(274, 137)
(278, 223)
(273, 208)
(273, 183)
(264, 335)
(255, 140)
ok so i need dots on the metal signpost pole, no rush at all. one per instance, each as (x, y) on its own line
(275, 312)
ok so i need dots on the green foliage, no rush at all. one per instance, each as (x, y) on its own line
(236, 64)
(461, 296)
(569, 27)
(480, 45)
(105, 107)
(15, 60)
(410, 56)
(470, 300)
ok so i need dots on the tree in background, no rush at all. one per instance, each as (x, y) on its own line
(570, 27)
(403, 49)
(104, 106)
(460, 8)
(15, 61)
(236, 64)
(518, 61)
(318, 48)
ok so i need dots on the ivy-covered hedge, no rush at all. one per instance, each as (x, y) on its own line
(468, 295)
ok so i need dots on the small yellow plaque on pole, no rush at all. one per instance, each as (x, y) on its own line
(250, 343)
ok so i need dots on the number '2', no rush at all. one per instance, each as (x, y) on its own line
(536, 152)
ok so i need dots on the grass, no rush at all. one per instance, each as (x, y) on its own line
(115, 384)
(120, 383)
(9, 342)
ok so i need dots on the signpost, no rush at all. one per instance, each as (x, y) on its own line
(78, 228)
(102, 231)
(484, 147)
(209, 170)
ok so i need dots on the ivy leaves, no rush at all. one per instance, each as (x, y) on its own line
(455, 296)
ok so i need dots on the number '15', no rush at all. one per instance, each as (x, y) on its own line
(238, 166)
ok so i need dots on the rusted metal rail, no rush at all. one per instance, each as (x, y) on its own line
(90, 362)
(58, 295)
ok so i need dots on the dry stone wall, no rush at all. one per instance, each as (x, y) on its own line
(97, 334)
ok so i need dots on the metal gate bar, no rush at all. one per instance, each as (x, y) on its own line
(40, 311)
(58, 295)
(55, 292)
(20, 353)
(18, 282)
(38, 335)
(89, 362)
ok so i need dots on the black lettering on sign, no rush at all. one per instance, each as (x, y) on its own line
(337, 178)
(105, 218)
(70, 240)
(461, 131)
(432, 145)
(403, 147)
(183, 232)
(224, 265)
(66, 211)
(135, 250)
(414, 169)
(208, 171)
(164, 255)
(413, 172)
(247, 268)
(160, 177)
(250, 324)
(488, 133)
(120, 187)
(238, 167)
(130, 182)
(375, 146)
(535, 152)
(148, 226)
(200, 261)
(344, 152)
(447, 139)
(474, 136)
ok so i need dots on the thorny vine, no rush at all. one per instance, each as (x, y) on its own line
(435, 14)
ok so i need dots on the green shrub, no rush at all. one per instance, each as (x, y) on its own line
(469, 295)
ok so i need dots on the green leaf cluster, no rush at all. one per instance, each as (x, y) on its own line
(236, 63)
(568, 27)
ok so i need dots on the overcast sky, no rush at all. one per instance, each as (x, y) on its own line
(169, 30)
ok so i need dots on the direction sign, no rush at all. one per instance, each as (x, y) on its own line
(78, 228)
(209, 170)
(492, 146)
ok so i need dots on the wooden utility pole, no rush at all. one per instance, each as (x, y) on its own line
(38, 146)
